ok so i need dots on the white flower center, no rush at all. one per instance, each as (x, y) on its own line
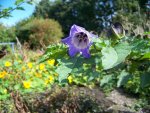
(80, 40)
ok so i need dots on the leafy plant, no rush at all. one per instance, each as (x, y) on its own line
(39, 32)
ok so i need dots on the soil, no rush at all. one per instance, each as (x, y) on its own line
(75, 100)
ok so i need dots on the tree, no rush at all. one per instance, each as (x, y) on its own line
(39, 32)
(7, 34)
(91, 14)
(94, 15)
(132, 15)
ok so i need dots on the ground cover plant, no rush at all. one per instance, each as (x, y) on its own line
(83, 60)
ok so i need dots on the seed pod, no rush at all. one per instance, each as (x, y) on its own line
(117, 30)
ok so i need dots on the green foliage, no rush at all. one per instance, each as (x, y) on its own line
(17, 2)
(114, 63)
(123, 50)
(146, 56)
(55, 51)
(133, 16)
(39, 32)
(96, 15)
(106, 80)
(63, 71)
(6, 12)
(111, 65)
(7, 34)
(109, 57)
(145, 79)
(123, 78)
(91, 14)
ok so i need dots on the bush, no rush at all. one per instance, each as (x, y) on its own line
(39, 32)
(7, 34)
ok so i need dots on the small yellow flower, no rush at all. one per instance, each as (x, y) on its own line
(2, 74)
(56, 74)
(8, 64)
(46, 72)
(42, 67)
(23, 68)
(51, 79)
(70, 79)
(46, 82)
(38, 75)
(27, 84)
(30, 65)
(5, 91)
(51, 62)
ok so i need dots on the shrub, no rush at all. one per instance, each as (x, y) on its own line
(7, 34)
(40, 32)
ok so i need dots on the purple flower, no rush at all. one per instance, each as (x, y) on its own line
(79, 41)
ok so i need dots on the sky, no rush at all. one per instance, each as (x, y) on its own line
(17, 15)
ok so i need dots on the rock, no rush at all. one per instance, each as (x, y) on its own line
(119, 109)
(121, 98)
(123, 102)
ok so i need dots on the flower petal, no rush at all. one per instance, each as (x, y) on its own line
(72, 51)
(86, 53)
(67, 40)
(74, 29)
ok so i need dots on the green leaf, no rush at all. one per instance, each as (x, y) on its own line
(54, 51)
(145, 79)
(20, 8)
(146, 33)
(63, 72)
(146, 56)
(3, 97)
(123, 50)
(105, 80)
(17, 86)
(109, 57)
(65, 68)
(123, 78)
(30, 2)
(18, 2)
(97, 40)
(140, 45)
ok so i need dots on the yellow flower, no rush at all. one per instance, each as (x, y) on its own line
(46, 82)
(30, 65)
(27, 84)
(42, 67)
(51, 62)
(8, 64)
(46, 72)
(51, 79)
(23, 68)
(38, 75)
(70, 79)
(56, 74)
(2, 74)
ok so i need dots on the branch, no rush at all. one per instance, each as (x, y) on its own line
(6, 14)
